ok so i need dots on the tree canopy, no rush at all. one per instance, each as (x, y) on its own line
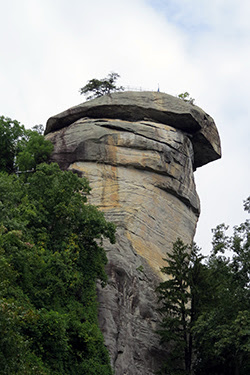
(21, 149)
(51, 256)
(100, 87)
(50, 259)
(222, 330)
(205, 306)
(180, 302)
(33, 149)
(10, 133)
(185, 96)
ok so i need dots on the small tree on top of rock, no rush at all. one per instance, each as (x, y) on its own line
(100, 87)
(186, 97)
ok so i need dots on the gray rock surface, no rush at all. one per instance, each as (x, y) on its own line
(155, 106)
(138, 151)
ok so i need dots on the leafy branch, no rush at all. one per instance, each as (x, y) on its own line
(100, 87)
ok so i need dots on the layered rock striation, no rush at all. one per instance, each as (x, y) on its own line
(139, 151)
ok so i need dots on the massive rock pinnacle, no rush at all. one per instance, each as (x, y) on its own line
(139, 151)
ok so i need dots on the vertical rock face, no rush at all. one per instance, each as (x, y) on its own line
(139, 151)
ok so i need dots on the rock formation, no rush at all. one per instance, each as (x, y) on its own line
(139, 151)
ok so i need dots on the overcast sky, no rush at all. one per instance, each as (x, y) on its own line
(51, 48)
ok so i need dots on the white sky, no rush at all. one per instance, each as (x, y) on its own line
(51, 48)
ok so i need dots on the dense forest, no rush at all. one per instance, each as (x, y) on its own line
(52, 255)
(205, 305)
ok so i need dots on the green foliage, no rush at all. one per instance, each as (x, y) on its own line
(100, 87)
(51, 255)
(186, 97)
(178, 298)
(10, 132)
(140, 268)
(206, 306)
(33, 150)
(222, 331)
(21, 149)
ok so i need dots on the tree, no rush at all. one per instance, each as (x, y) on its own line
(222, 329)
(179, 300)
(21, 149)
(51, 255)
(10, 133)
(101, 87)
(33, 149)
(206, 306)
(186, 97)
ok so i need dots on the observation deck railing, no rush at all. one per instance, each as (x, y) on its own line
(130, 88)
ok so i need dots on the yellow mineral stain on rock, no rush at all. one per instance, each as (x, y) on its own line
(151, 253)
(110, 188)
(110, 191)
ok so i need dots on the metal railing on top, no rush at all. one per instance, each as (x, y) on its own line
(130, 88)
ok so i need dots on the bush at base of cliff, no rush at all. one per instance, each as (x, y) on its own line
(50, 258)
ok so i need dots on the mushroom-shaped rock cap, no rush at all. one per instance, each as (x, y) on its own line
(153, 106)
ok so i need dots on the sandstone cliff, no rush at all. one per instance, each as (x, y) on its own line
(139, 151)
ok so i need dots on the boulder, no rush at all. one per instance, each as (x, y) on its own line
(139, 151)
(155, 106)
